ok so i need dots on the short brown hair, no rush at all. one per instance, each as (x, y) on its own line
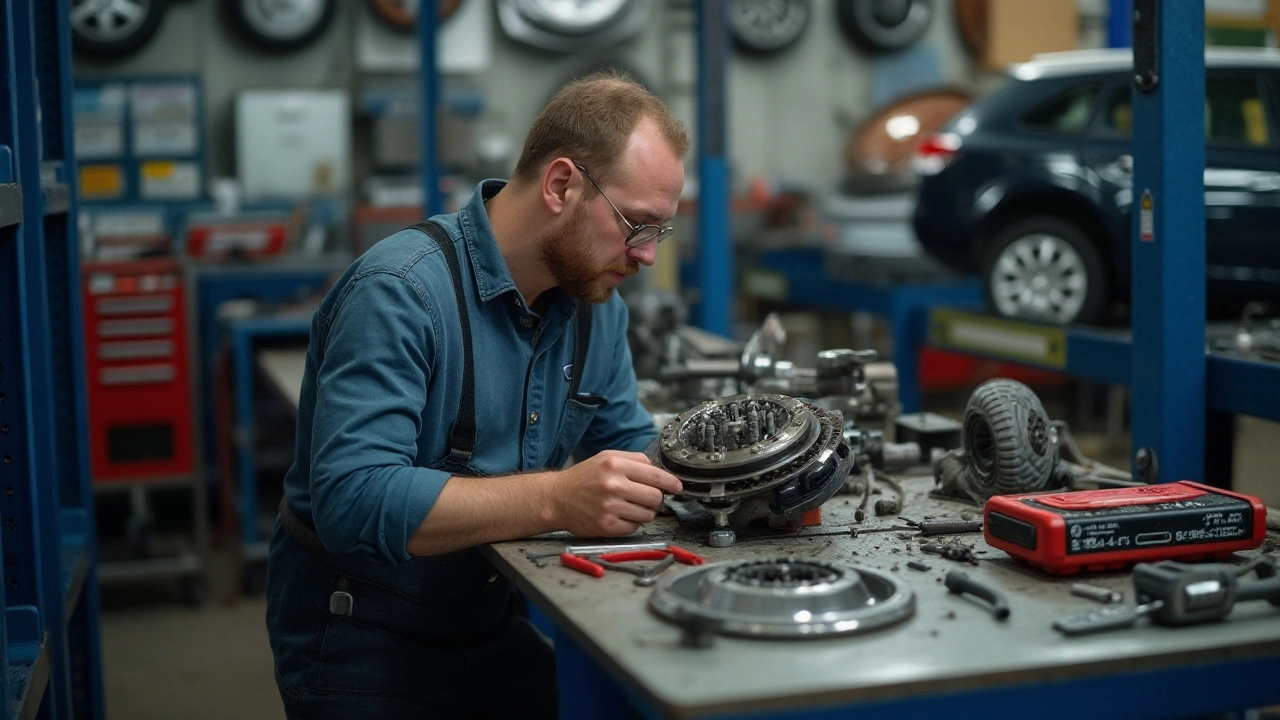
(590, 120)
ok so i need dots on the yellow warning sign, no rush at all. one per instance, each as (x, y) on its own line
(1146, 218)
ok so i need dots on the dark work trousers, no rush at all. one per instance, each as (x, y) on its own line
(393, 657)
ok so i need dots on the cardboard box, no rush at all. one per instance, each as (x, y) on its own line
(1019, 29)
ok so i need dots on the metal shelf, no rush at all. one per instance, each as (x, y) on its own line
(1235, 383)
(28, 676)
(10, 204)
(75, 556)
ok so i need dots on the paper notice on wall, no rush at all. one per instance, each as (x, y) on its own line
(165, 138)
(167, 180)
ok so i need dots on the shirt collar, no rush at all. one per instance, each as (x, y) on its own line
(490, 268)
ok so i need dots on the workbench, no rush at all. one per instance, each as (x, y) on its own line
(952, 659)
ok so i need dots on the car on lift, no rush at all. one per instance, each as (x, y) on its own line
(1031, 186)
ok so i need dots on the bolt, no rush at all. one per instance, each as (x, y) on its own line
(721, 538)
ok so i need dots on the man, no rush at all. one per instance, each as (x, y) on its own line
(452, 371)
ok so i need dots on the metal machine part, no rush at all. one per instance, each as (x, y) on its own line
(782, 597)
(750, 456)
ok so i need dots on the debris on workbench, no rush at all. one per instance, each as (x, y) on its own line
(949, 527)
(959, 583)
(1095, 592)
(915, 565)
(951, 551)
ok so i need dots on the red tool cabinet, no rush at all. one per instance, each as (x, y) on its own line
(139, 384)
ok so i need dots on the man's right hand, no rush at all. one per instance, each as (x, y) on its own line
(612, 493)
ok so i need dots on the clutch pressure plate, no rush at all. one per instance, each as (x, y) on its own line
(748, 456)
(782, 597)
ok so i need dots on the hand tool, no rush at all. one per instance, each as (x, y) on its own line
(1092, 530)
(1175, 593)
(595, 564)
(958, 582)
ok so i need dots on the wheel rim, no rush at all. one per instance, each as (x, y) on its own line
(1039, 275)
(108, 20)
(284, 19)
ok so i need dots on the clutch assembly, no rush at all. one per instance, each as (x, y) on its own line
(751, 456)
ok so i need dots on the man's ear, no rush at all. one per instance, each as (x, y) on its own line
(559, 191)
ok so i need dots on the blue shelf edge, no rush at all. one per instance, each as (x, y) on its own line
(74, 524)
(10, 204)
(28, 662)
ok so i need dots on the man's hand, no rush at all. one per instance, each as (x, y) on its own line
(612, 493)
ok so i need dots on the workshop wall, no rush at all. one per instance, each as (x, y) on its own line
(790, 113)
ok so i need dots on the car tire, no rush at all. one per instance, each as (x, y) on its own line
(884, 26)
(767, 27)
(112, 36)
(281, 28)
(1044, 268)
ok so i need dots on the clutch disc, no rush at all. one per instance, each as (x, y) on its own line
(783, 597)
(786, 452)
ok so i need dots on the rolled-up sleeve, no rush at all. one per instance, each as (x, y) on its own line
(367, 495)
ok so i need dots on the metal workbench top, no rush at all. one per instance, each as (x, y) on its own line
(952, 646)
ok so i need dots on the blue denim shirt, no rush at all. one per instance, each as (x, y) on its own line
(383, 381)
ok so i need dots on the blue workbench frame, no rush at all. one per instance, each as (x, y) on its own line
(52, 657)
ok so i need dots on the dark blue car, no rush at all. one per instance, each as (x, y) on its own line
(1031, 186)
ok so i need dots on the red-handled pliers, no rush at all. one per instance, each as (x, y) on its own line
(594, 565)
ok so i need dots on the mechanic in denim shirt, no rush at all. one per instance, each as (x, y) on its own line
(379, 602)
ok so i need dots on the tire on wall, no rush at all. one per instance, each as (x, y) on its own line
(115, 29)
(1045, 268)
(1007, 439)
(884, 26)
(280, 27)
(766, 27)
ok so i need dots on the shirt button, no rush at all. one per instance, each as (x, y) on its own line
(526, 321)
(533, 418)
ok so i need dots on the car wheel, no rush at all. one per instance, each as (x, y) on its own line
(1044, 268)
(765, 27)
(281, 25)
(882, 26)
(113, 29)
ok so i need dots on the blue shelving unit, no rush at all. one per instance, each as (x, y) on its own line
(50, 633)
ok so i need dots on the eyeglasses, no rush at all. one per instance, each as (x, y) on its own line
(640, 232)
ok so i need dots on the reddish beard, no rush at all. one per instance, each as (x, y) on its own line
(567, 256)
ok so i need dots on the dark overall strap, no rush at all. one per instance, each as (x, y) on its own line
(462, 436)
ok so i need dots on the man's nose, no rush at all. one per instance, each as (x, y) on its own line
(646, 253)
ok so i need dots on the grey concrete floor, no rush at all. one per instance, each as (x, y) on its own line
(164, 660)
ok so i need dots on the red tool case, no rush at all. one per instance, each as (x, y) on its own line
(139, 380)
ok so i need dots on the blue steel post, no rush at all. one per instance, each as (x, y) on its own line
(77, 531)
(1168, 241)
(1119, 23)
(428, 105)
(715, 257)
(33, 506)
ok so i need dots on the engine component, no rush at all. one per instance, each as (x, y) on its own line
(402, 15)
(1008, 446)
(782, 597)
(750, 456)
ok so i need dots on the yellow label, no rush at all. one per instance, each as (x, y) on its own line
(101, 181)
(157, 170)
(1007, 339)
